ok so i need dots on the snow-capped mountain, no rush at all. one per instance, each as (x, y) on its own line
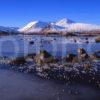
(39, 26)
(64, 25)
(35, 26)
(71, 26)
(64, 22)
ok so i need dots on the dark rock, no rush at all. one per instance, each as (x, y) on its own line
(18, 61)
(75, 40)
(31, 42)
(81, 51)
(86, 38)
(31, 56)
(87, 41)
(71, 58)
(44, 57)
(82, 54)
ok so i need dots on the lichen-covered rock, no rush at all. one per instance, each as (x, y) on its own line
(44, 57)
(30, 57)
(97, 39)
(82, 54)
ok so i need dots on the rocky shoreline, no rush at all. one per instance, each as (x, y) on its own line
(81, 68)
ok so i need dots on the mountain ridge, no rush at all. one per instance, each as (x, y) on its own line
(63, 26)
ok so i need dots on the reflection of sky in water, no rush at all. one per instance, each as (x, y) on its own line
(58, 46)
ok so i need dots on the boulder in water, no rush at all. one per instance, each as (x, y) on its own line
(30, 56)
(44, 57)
(18, 61)
(97, 39)
(82, 54)
(31, 42)
(71, 58)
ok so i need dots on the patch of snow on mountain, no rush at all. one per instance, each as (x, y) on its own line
(79, 27)
(64, 22)
(35, 26)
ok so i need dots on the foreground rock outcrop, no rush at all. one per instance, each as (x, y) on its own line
(18, 61)
(45, 65)
(97, 39)
(44, 57)
(71, 58)
(82, 54)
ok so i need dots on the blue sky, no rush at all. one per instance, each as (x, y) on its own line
(20, 12)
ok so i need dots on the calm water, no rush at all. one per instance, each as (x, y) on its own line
(57, 46)
(19, 86)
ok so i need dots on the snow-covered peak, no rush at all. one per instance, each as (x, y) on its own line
(64, 22)
(34, 26)
(30, 24)
(64, 25)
